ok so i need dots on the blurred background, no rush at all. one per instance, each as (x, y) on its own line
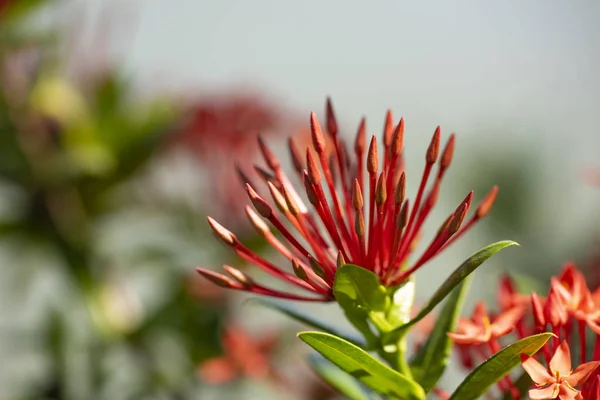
(121, 121)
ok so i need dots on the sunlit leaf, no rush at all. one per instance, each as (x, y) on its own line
(361, 365)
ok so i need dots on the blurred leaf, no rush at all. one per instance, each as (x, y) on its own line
(306, 319)
(430, 362)
(464, 270)
(16, 9)
(340, 381)
(497, 367)
(361, 365)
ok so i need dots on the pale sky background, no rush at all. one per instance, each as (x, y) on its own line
(507, 75)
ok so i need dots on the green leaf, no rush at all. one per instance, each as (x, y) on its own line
(340, 381)
(357, 287)
(430, 362)
(464, 270)
(361, 365)
(307, 319)
(498, 366)
(361, 296)
(403, 298)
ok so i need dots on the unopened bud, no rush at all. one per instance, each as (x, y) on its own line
(372, 157)
(398, 139)
(318, 139)
(434, 147)
(218, 279)
(400, 191)
(457, 219)
(316, 267)
(313, 169)
(222, 233)
(359, 225)
(259, 203)
(340, 259)
(380, 191)
(388, 129)
(310, 190)
(357, 197)
(403, 216)
(332, 127)
(256, 221)
(278, 198)
(361, 137)
(298, 270)
(448, 153)
(239, 276)
(290, 202)
(486, 204)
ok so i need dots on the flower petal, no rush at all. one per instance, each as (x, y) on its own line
(582, 373)
(561, 360)
(538, 373)
(568, 393)
(550, 392)
(506, 321)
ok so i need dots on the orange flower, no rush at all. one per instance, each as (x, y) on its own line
(558, 381)
(481, 328)
(244, 357)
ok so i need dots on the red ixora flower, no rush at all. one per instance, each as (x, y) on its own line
(379, 234)
(558, 381)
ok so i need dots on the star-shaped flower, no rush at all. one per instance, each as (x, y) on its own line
(559, 380)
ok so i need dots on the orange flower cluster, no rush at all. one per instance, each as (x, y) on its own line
(571, 311)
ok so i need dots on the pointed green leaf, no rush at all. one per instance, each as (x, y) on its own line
(357, 287)
(464, 270)
(361, 365)
(430, 362)
(497, 367)
(307, 319)
(339, 380)
(361, 296)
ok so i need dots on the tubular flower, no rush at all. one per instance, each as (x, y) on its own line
(558, 381)
(378, 231)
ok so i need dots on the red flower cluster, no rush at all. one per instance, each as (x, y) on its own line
(570, 306)
(378, 233)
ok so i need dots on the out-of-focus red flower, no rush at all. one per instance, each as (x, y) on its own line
(482, 328)
(244, 357)
(559, 380)
(508, 297)
(378, 232)
(221, 133)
